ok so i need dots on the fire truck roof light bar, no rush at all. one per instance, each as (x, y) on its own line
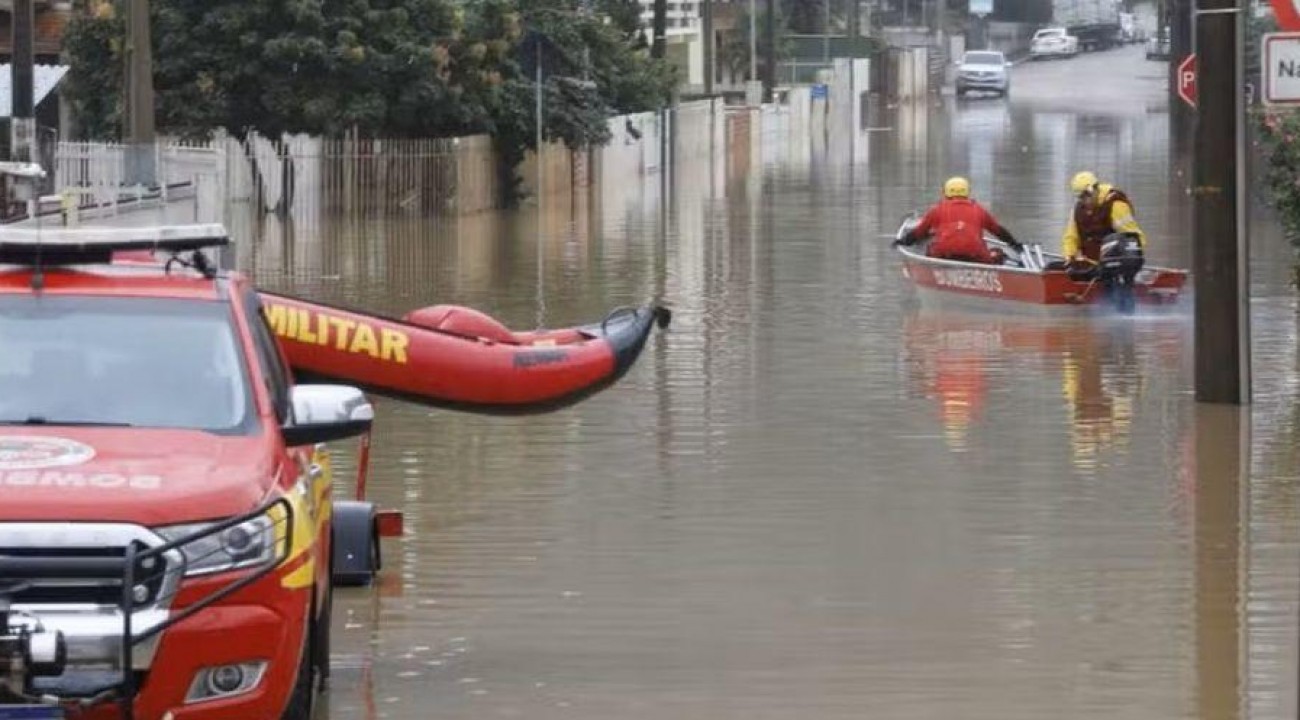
(97, 241)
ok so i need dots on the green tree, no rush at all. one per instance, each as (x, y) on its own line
(396, 68)
(94, 81)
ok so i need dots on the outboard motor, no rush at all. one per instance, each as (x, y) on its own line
(1121, 257)
(27, 651)
(1121, 260)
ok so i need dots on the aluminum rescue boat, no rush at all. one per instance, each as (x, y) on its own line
(1035, 278)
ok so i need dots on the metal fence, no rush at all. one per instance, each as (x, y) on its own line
(293, 174)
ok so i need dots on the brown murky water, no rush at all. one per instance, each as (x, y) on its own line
(811, 498)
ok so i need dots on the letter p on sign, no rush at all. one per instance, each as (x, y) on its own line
(1187, 80)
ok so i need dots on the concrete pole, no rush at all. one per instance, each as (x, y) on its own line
(139, 95)
(1219, 221)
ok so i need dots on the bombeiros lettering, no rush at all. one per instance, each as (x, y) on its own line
(351, 336)
(78, 480)
(969, 279)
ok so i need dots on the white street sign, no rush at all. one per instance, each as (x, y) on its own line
(1281, 68)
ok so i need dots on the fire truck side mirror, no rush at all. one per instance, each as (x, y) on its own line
(324, 413)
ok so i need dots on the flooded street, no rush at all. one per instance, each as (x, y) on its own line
(811, 498)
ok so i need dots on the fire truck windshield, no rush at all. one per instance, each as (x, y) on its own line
(140, 362)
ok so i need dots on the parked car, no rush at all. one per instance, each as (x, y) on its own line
(986, 70)
(1053, 42)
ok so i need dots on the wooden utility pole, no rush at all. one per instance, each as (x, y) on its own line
(22, 121)
(139, 95)
(1219, 223)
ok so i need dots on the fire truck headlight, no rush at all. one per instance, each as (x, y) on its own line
(256, 542)
(223, 681)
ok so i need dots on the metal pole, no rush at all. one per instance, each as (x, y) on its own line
(1219, 231)
(22, 127)
(1180, 46)
(826, 33)
(541, 196)
(538, 154)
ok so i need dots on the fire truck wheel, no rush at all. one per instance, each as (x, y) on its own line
(355, 555)
(302, 701)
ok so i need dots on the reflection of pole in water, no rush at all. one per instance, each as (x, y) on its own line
(1222, 468)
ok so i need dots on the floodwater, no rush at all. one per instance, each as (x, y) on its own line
(811, 498)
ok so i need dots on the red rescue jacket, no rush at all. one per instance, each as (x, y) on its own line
(959, 225)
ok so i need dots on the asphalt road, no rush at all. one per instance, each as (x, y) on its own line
(1117, 79)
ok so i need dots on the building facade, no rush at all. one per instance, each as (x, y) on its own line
(683, 44)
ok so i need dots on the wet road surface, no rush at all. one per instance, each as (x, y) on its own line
(811, 498)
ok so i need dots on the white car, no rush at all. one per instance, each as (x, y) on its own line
(1053, 42)
(983, 70)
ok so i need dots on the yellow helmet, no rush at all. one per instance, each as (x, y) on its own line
(956, 187)
(1082, 181)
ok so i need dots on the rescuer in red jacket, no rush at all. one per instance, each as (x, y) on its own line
(958, 222)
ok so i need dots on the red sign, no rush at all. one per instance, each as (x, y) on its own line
(1287, 13)
(1187, 78)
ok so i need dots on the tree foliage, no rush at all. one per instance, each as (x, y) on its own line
(94, 81)
(805, 16)
(1279, 142)
(394, 68)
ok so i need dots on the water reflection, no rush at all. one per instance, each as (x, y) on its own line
(1222, 473)
(1103, 370)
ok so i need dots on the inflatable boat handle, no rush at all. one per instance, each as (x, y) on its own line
(614, 313)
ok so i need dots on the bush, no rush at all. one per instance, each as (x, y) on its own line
(1279, 146)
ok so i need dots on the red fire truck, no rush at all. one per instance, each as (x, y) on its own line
(169, 538)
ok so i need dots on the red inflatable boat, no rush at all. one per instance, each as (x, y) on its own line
(459, 358)
(451, 356)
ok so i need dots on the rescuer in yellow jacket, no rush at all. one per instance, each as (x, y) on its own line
(1100, 210)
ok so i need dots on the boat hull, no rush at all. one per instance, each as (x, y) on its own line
(975, 284)
(451, 356)
(520, 374)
